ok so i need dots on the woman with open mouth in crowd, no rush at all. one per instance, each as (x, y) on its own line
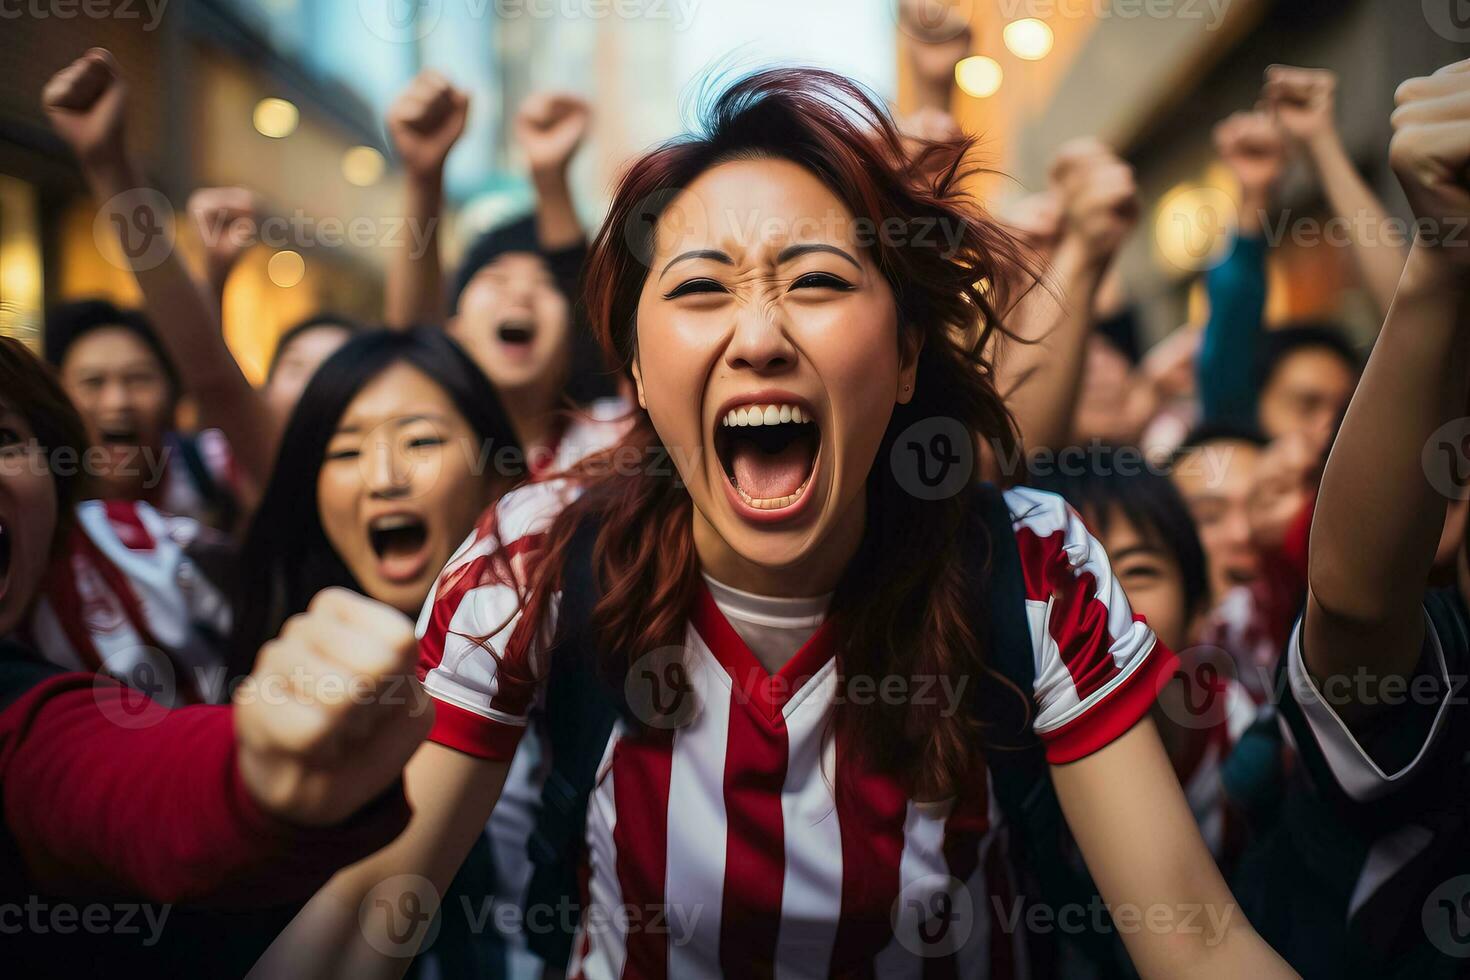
(768, 555)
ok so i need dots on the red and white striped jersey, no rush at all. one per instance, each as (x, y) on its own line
(587, 430)
(750, 840)
(126, 599)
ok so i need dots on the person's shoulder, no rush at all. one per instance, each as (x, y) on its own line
(128, 525)
(529, 509)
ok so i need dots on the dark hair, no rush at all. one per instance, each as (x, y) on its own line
(66, 323)
(325, 318)
(518, 235)
(1146, 499)
(286, 555)
(28, 387)
(1277, 345)
(914, 618)
(1207, 433)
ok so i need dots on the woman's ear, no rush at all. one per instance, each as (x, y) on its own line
(910, 344)
(638, 383)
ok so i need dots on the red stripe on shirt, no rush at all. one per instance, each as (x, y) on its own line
(755, 846)
(127, 525)
(1116, 713)
(449, 595)
(641, 769)
(870, 813)
(474, 734)
(1078, 622)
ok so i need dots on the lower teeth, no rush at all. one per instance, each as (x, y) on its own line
(771, 503)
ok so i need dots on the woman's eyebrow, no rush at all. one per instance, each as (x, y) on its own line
(700, 253)
(797, 251)
(353, 428)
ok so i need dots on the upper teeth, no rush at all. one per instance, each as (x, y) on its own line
(393, 522)
(764, 415)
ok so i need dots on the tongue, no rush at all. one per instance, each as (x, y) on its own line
(767, 476)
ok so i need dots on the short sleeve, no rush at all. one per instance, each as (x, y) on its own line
(478, 666)
(1377, 759)
(1099, 667)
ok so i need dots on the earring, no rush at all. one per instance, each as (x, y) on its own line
(907, 387)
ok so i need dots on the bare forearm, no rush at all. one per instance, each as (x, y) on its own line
(1166, 896)
(415, 290)
(557, 225)
(1378, 517)
(1040, 379)
(1379, 255)
(188, 325)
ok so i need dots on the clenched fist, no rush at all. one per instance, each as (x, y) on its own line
(549, 127)
(425, 121)
(1430, 153)
(225, 218)
(332, 710)
(1036, 219)
(1250, 143)
(85, 102)
(1098, 195)
(1302, 100)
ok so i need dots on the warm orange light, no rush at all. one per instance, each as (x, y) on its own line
(286, 268)
(979, 76)
(1028, 38)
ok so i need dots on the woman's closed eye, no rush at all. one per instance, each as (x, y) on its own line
(694, 287)
(822, 280)
(344, 453)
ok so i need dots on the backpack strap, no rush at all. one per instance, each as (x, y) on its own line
(581, 710)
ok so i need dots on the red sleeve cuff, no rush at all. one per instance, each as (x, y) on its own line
(1117, 712)
(463, 730)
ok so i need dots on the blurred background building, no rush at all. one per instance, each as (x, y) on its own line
(287, 97)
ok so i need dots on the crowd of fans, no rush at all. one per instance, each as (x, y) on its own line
(1256, 586)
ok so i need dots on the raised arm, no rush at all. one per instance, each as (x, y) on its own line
(1303, 101)
(86, 105)
(549, 128)
(1040, 380)
(1174, 911)
(424, 123)
(225, 220)
(1367, 577)
(1250, 144)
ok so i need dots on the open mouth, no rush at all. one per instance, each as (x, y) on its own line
(399, 541)
(768, 452)
(4, 558)
(516, 333)
(119, 436)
